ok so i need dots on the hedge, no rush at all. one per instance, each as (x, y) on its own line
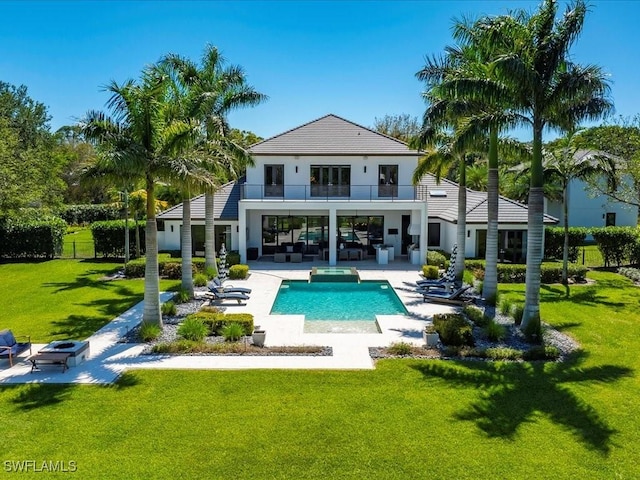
(167, 266)
(86, 214)
(617, 244)
(21, 238)
(550, 272)
(238, 272)
(108, 238)
(554, 242)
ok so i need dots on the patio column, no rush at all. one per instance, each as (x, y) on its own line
(242, 233)
(333, 233)
(424, 225)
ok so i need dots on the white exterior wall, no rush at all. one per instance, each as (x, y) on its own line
(586, 211)
(364, 185)
(170, 238)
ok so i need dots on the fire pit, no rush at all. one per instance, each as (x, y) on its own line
(78, 350)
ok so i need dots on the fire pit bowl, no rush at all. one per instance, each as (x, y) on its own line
(62, 345)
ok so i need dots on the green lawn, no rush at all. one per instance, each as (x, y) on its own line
(62, 299)
(78, 244)
(407, 419)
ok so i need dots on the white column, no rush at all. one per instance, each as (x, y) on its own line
(242, 233)
(424, 225)
(333, 233)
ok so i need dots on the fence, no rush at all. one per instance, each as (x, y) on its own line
(78, 249)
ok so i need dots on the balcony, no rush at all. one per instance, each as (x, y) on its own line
(314, 193)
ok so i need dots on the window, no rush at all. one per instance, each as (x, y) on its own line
(433, 235)
(610, 220)
(330, 180)
(274, 180)
(388, 179)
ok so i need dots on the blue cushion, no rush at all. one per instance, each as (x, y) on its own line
(7, 339)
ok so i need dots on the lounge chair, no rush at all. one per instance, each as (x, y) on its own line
(454, 298)
(217, 284)
(222, 296)
(10, 347)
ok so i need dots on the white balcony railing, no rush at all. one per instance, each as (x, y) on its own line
(332, 192)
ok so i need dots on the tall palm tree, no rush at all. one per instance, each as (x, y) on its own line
(215, 90)
(548, 90)
(146, 143)
(438, 160)
(563, 162)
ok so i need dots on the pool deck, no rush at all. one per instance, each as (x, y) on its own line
(109, 358)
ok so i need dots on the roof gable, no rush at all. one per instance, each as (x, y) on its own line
(331, 135)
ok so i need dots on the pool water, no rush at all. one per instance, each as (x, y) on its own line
(337, 301)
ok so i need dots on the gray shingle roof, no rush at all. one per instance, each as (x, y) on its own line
(446, 207)
(331, 135)
(225, 205)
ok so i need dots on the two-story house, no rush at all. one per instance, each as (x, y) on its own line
(334, 191)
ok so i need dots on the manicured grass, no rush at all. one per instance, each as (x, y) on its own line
(407, 419)
(63, 299)
(78, 243)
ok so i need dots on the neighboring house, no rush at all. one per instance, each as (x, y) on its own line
(335, 189)
(588, 211)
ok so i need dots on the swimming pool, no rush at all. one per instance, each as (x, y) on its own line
(339, 303)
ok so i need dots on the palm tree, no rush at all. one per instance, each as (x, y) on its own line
(444, 156)
(563, 162)
(147, 143)
(531, 59)
(214, 91)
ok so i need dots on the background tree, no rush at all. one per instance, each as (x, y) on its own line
(30, 175)
(402, 126)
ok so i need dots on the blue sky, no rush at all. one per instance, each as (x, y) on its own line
(355, 59)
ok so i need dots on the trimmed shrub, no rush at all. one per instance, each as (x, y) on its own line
(232, 332)
(238, 272)
(430, 272)
(541, 352)
(167, 266)
(550, 272)
(233, 258)
(169, 308)
(149, 331)
(476, 315)
(216, 320)
(400, 348)
(108, 238)
(193, 329)
(631, 273)
(435, 258)
(24, 238)
(210, 272)
(554, 242)
(494, 331)
(615, 243)
(454, 329)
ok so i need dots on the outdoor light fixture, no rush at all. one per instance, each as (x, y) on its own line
(296, 169)
(365, 169)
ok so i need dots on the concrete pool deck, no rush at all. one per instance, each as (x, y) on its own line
(108, 358)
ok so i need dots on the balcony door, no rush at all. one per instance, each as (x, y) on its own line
(330, 180)
(274, 180)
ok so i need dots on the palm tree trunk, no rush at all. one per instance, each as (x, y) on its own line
(565, 250)
(490, 284)
(135, 219)
(187, 264)
(151, 313)
(462, 218)
(209, 234)
(531, 318)
(126, 226)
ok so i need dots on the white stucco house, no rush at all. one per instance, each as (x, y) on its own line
(332, 191)
(586, 210)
